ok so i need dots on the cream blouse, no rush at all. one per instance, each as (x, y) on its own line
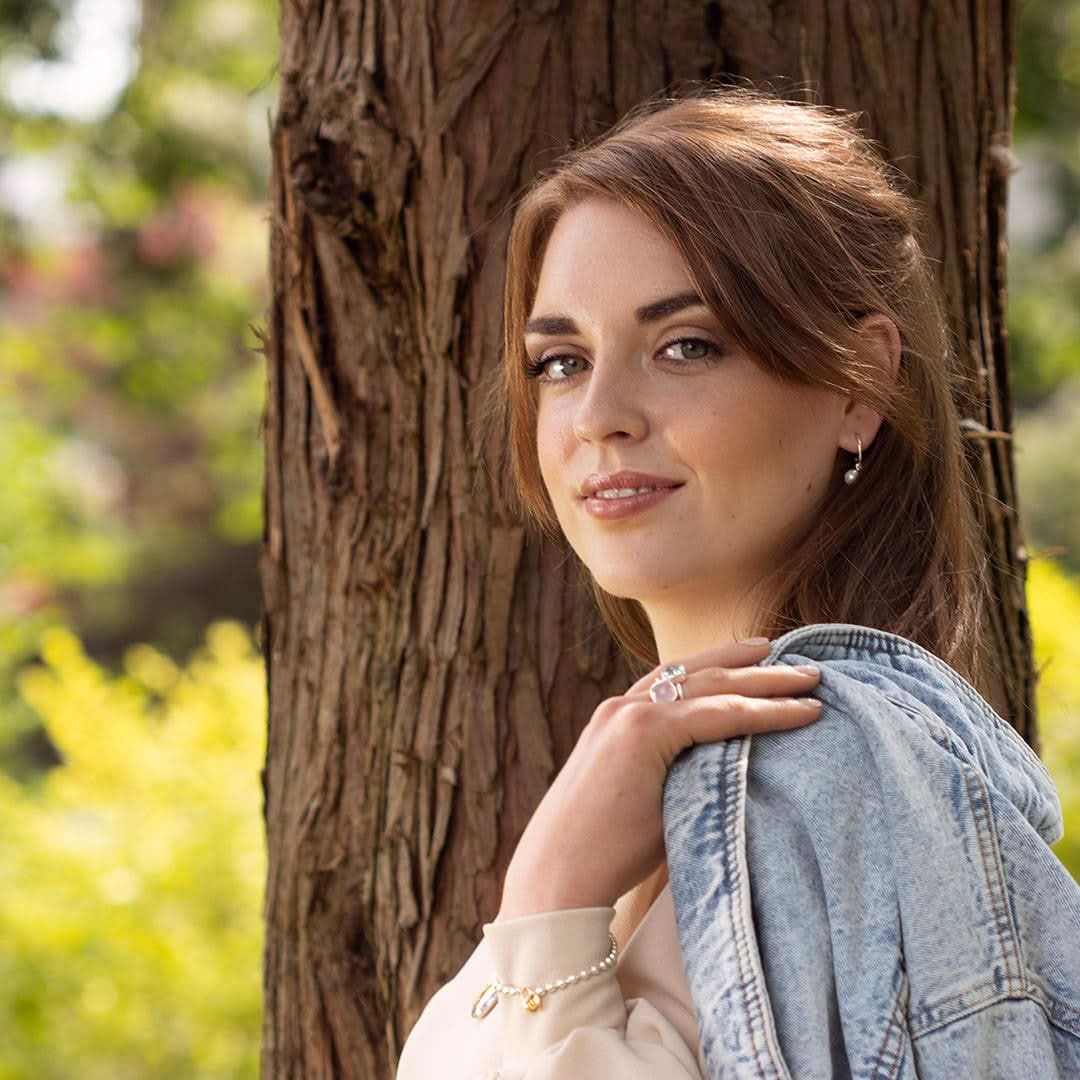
(633, 1022)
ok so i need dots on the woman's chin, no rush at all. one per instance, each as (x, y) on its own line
(634, 585)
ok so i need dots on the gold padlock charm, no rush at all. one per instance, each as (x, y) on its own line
(530, 999)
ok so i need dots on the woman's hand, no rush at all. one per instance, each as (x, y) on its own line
(598, 831)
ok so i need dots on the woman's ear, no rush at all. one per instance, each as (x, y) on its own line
(880, 339)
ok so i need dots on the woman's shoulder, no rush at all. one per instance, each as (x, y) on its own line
(887, 699)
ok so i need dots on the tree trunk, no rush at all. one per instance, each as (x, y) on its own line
(429, 665)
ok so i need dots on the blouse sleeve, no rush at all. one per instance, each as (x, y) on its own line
(584, 1030)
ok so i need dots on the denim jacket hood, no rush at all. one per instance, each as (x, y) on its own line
(873, 895)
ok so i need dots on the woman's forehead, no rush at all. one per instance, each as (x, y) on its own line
(603, 253)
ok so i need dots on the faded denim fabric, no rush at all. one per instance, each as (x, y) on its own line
(873, 895)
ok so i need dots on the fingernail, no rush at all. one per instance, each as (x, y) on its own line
(810, 702)
(754, 641)
(810, 669)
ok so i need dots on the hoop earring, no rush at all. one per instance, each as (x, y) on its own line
(853, 474)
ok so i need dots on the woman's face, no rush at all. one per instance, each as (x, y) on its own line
(743, 458)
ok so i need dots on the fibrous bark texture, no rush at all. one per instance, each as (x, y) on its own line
(429, 663)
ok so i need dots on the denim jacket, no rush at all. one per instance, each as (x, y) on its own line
(873, 895)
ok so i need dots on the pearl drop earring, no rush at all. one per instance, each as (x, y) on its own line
(853, 474)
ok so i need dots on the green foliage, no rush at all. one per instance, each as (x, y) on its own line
(130, 401)
(1044, 322)
(130, 929)
(1048, 70)
(1054, 599)
(32, 24)
(131, 390)
(1048, 471)
(1044, 267)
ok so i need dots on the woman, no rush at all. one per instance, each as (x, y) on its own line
(728, 383)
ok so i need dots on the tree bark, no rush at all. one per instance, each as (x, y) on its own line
(429, 664)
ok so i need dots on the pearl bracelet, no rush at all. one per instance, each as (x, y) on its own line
(532, 997)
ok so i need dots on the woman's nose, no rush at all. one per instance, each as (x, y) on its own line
(611, 406)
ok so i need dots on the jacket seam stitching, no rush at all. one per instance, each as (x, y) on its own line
(998, 894)
(1061, 1016)
(749, 985)
(989, 853)
(1006, 903)
(993, 870)
(892, 1026)
(1058, 1015)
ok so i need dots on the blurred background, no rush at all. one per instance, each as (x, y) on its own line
(133, 248)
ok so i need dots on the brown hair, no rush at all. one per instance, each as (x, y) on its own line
(792, 226)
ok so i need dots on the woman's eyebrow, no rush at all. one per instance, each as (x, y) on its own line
(658, 309)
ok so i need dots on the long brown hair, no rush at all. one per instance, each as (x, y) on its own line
(792, 226)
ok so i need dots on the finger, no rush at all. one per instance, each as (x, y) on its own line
(716, 717)
(727, 655)
(753, 681)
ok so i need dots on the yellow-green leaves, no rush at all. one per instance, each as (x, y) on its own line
(131, 875)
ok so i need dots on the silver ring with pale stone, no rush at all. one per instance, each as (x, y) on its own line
(668, 686)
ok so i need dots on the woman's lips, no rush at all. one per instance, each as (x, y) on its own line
(611, 509)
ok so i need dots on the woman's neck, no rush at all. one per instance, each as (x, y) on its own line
(692, 625)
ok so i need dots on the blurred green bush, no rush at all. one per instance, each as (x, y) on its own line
(1048, 472)
(132, 874)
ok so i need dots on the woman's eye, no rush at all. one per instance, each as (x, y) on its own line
(552, 368)
(561, 367)
(691, 348)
